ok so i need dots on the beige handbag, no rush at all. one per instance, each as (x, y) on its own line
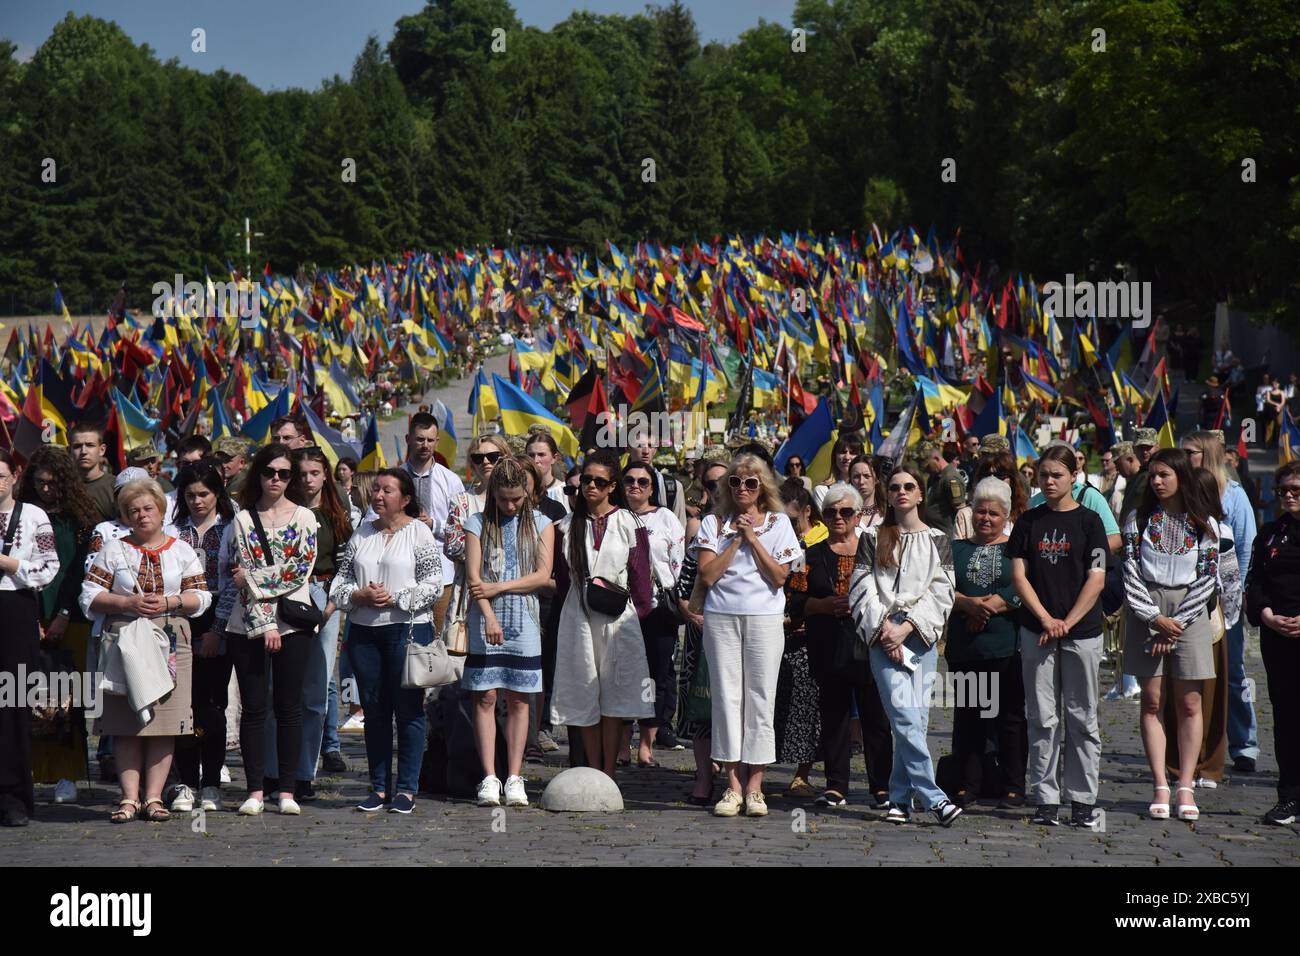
(455, 632)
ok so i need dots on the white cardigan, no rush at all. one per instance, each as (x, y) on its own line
(920, 587)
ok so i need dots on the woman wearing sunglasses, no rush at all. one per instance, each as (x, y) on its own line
(900, 596)
(600, 666)
(695, 710)
(659, 627)
(258, 638)
(485, 452)
(1273, 605)
(819, 597)
(745, 550)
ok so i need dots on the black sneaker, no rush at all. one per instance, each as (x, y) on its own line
(1046, 816)
(1085, 816)
(12, 812)
(946, 812)
(831, 798)
(1284, 814)
(402, 804)
(1243, 764)
(333, 762)
(1013, 800)
(372, 804)
(304, 792)
(880, 800)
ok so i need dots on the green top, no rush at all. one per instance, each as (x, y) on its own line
(982, 569)
(328, 547)
(64, 591)
(101, 493)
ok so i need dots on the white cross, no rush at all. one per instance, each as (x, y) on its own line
(248, 246)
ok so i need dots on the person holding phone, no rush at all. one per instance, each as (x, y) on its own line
(900, 597)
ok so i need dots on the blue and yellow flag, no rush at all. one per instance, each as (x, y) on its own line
(812, 441)
(372, 455)
(520, 411)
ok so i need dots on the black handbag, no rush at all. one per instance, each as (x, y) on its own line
(606, 598)
(297, 615)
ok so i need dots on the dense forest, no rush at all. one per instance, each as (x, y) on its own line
(1080, 134)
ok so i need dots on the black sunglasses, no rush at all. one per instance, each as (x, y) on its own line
(600, 483)
(844, 514)
(479, 457)
(570, 490)
(909, 486)
(796, 463)
(711, 485)
(284, 474)
(632, 481)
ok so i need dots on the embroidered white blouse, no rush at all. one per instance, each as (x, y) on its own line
(1170, 553)
(121, 567)
(920, 587)
(33, 547)
(742, 589)
(408, 564)
(667, 548)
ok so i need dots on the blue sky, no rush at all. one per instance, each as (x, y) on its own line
(283, 43)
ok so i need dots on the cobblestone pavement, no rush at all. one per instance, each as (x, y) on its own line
(658, 827)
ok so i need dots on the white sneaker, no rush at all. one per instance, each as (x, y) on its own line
(183, 802)
(516, 795)
(289, 806)
(354, 724)
(210, 799)
(225, 774)
(250, 808)
(65, 791)
(489, 792)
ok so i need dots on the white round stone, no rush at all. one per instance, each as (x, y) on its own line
(581, 789)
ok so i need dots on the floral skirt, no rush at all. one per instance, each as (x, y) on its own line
(798, 709)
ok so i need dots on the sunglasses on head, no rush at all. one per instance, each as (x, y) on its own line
(749, 484)
(844, 514)
(600, 483)
(906, 486)
(632, 481)
(479, 457)
(284, 474)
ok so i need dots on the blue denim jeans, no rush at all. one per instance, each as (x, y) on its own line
(1243, 732)
(378, 655)
(906, 698)
(315, 693)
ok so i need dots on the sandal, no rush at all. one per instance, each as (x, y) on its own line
(1159, 811)
(156, 812)
(124, 815)
(646, 763)
(1188, 811)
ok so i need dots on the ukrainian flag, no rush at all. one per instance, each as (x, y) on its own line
(767, 389)
(1025, 450)
(372, 455)
(812, 441)
(483, 405)
(1289, 441)
(137, 428)
(258, 428)
(519, 411)
(1158, 418)
(447, 442)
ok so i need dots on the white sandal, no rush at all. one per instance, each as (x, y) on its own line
(1188, 811)
(1159, 811)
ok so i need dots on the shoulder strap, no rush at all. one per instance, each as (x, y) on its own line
(261, 535)
(12, 530)
(670, 490)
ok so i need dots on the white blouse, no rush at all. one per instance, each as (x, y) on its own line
(121, 567)
(33, 547)
(667, 548)
(742, 589)
(408, 564)
(920, 587)
(1169, 553)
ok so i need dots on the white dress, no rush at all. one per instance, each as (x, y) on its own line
(600, 662)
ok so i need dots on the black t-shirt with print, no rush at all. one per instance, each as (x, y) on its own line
(1059, 548)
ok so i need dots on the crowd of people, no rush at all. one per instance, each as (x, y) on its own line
(758, 617)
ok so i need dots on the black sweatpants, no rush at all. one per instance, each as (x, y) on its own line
(839, 689)
(210, 682)
(1282, 663)
(253, 668)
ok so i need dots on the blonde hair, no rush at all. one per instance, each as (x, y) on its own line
(140, 488)
(1212, 459)
(363, 482)
(769, 493)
